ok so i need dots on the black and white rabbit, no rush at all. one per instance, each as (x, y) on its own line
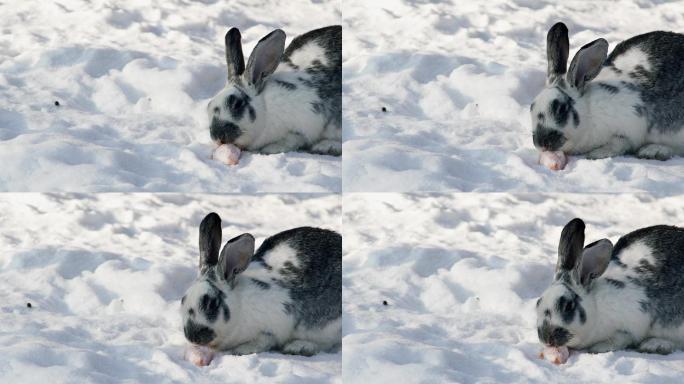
(607, 298)
(283, 100)
(630, 102)
(286, 296)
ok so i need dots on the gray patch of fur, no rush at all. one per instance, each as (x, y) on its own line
(326, 80)
(662, 88)
(315, 286)
(662, 280)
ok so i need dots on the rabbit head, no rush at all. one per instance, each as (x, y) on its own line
(207, 304)
(566, 311)
(236, 114)
(557, 112)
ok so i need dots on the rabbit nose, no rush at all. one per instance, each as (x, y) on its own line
(224, 131)
(197, 333)
(553, 336)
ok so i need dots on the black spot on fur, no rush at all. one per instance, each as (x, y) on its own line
(213, 302)
(210, 307)
(575, 117)
(531, 106)
(538, 302)
(28, 305)
(561, 109)
(608, 88)
(568, 305)
(639, 110)
(183, 300)
(612, 67)
(237, 104)
(287, 85)
(616, 283)
(261, 284)
(197, 333)
(318, 107)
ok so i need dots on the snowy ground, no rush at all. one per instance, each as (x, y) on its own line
(461, 274)
(133, 79)
(457, 79)
(104, 275)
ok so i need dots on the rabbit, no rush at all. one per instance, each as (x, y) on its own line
(606, 298)
(282, 101)
(628, 103)
(286, 296)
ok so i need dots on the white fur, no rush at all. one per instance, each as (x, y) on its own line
(281, 254)
(307, 54)
(636, 252)
(631, 58)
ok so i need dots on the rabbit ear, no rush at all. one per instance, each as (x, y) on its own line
(236, 256)
(570, 249)
(587, 63)
(209, 241)
(234, 57)
(595, 259)
(557, 51)
(265, 57)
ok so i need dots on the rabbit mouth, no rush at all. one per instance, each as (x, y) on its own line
(219, 143)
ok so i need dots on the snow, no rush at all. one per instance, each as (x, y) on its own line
(457, 80)
(132, 79)
(105, 273)
(461, 274)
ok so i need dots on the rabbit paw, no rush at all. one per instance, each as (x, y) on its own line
(659, 346)
(300, 347)
(655, 152)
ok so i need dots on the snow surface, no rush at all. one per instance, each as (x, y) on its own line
(105, 273)
(457, 79)
(461, 274)
(133, 79)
